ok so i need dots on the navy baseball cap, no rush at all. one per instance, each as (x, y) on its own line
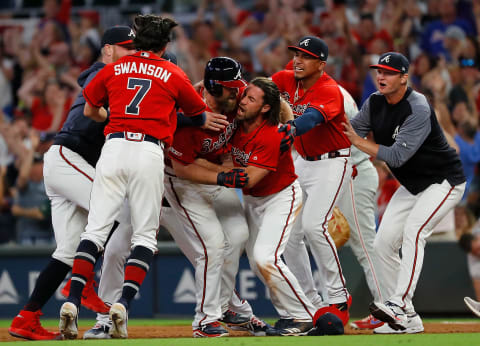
(392, 61)
(312, 45)
(119, 36)
(170, 57)
(328, 324)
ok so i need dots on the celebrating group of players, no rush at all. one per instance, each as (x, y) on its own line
(226, 134)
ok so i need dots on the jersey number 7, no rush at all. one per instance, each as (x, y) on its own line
(143, 86)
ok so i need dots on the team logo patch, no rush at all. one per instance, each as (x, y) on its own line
(395, 133)
(305, 42)
(386, 59)
(131, 34)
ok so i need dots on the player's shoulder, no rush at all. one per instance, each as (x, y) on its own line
(282, 75)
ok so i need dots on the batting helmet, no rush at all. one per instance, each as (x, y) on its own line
(222, 72)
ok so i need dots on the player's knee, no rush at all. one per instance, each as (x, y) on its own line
(262, 258)
(381, 247)
(64, 258)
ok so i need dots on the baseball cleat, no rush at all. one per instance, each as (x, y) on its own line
(293, 328)
(99, 331)
(119, 317)
(68, 321)
(473, 305)
(282, 323)
(90, 299)
(232, 319)
(367, 323)
(414, 325)
(210, 330)
(254, 326)
(390, 313)
(26, 325)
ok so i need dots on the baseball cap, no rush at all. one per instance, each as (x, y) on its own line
(312, 45)
(118, 35)
(170, 57)
(392, 61)
(328, 324)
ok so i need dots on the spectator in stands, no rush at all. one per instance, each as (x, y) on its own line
(434, 33)
(50, 109)
(468, 140)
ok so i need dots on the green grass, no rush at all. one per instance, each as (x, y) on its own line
(345, 340)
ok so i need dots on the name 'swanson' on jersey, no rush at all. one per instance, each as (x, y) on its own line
(147, 69)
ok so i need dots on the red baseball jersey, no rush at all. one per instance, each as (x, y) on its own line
(190, 143)
(143, 91)
(261, 148)
(324, 96)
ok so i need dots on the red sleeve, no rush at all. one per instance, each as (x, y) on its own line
(188, 99)
(266, 152)
(183, 149)
(329, 102)
(95, 92)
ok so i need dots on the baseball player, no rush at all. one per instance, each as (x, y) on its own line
(358, 207)
(409, 139)
(323, 165)
(143, 91)
(470, 243)
(68, 175)
(272, 200)
(214, 229)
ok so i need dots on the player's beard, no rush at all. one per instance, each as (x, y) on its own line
(229, 105)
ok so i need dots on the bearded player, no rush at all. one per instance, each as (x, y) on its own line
(212, 215)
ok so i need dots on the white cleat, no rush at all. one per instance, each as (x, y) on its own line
(119, 318)
(68, 321)
(389, 313)
(472, 305)
(413, 325)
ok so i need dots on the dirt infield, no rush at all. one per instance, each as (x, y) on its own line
(147, 332)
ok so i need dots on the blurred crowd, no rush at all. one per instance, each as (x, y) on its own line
(39, 71)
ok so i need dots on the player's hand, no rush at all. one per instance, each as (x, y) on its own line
(214, 121)
(287, 140)
(349, 131)
(234, 178)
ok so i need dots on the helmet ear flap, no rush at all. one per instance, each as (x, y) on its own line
(213, 88)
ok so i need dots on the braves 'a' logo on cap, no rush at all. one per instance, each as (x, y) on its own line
(385, 59)
(239, 75)
(305, 42)
(131, 34)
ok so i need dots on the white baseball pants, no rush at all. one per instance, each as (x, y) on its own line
(407, 222)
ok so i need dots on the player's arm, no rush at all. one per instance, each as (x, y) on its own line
(255, 174)
(98, 114)
(199, 174)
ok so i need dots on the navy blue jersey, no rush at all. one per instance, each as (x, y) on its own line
(79, 133)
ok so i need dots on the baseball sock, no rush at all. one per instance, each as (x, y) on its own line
(135, 271)
(85, 258)
(48, 281)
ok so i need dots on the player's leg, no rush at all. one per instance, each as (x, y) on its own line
(61, 174)
(430, 208)
(231, 215)
(116, 252)
(275, 215)
(324, 182)
(108, 194)
(192, 204)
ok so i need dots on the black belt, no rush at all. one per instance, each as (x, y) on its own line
(134, 137)
(330, 155)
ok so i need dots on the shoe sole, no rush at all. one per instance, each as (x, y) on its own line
(119, 328)
(471, 306)
(355, 326)
(15, 334)
(67, 324)
(200, 334)
(381, 315)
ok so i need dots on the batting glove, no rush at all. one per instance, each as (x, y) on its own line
(287, 140)
(234, 178)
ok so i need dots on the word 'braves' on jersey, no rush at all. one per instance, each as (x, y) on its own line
(261, 148)
(325, 97)
(143, 81)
